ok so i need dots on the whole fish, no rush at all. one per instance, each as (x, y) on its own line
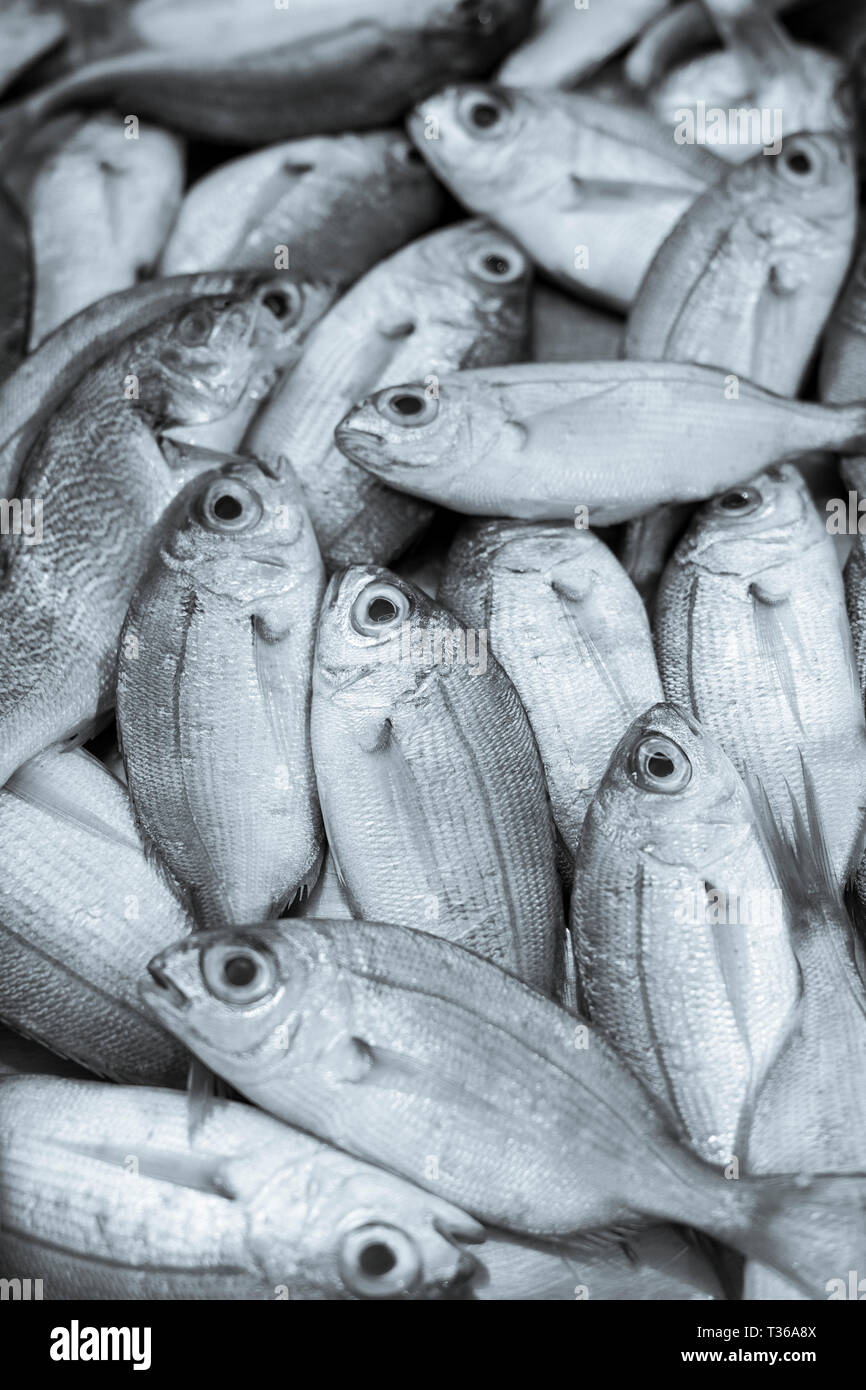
(81, 912)
(566, 330)
(96, 483)
(228, 71)
(106, 1196)
(571, 633)
(588, 187)
(213, 694)
(568, 43)
(756, 261)
(331, 207)
(604, 440)
(32, 393)
(752, 637)
(16, 283)
(100, 208)
(427, 1059)
(456, 298)
(680, 931)
(416, 728)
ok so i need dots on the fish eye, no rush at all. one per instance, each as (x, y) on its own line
(409, 406)
(798, 161)
(379, 1261)
(283, 302)
(238, 973)
(227, 505)
(195, 326)
(377, 607)
(738, 501)
(483, 113)
(660, 765)
(499, 265)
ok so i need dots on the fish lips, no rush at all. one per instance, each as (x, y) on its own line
(362, 446)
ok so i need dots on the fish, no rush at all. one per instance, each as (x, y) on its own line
(571, 633)
(16, 284)
(752, 639)
(455, 298)
(423, 1057)
(222, 71)
(568, 44)
(327, 898)
(213, 694)
(20, 1056)
(565, 329)
(100, 208)
(418, 732)
(28, 30)
(97, 481)
(588, 187)
(606, 441)
(674, 35)
(82, 910)
(33, 391)
(106, 1196)
(330, 207)
(756, 261)
(681, 933)
(842, 369)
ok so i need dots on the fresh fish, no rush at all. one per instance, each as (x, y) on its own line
(226, 71)
(656, 1264)
(20, 1056)
(33, 392)
(843, 349)
(752, 638)
(568, 43)
(755, 262)
(100, 209)
(604, 440)
(213, 694)
(327, 898)
(106, 1196)
(680, 930)
(456, 298)
(431, 786)
(16, 283)
(330, 207)
(570, 632)
(27, 30)
(566, 330)
(588, 187)
(433, 1062)
(96, 483)
(81, 913)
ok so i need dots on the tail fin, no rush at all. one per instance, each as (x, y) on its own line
(810, 1228)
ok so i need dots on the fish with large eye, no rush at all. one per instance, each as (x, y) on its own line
(238, 973)
(499, 265)
(660, 765)
(379, 1261)
(739, 501)
(195, 326)
(483, 113)
(408, 406)
(228, 505)
(379, 607)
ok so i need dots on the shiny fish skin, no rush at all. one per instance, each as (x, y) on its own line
(755, 262)
(752, 638)
(339, 204)
(213, 695)
(619, 438)
(570, 632)
(81, 912)
(100, 209)
(104, 482)
(563, 170)
(406, 1047)
(106, 1196)
(680, 931)
(16, 284)
(428, 310)
(567, 44)
(211, 68)
(438, 749)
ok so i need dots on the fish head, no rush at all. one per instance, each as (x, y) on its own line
(368, 657)
(244, 532)
(196, 364)
(472, 134)
(471, 275)
(753, 527)
(362, 1233)
(419, 433)
(671, 793)
(811, 180)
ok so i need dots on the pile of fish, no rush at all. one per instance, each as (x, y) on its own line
(432, 738)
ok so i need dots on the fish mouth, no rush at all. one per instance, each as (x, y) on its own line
(163, 992)
(360, 445)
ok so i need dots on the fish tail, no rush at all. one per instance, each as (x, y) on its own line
(811, 1228)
